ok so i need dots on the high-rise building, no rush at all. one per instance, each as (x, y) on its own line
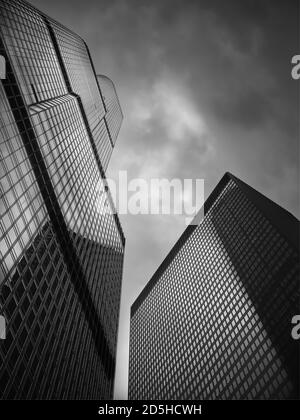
(61, 244)
(214, 322)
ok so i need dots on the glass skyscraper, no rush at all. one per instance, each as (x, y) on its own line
(214, 322)
(62, 244)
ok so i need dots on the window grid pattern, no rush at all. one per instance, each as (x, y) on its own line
(197, 334)
(62, 356)
(114, 114)
(32, 54)
(49, 351)
(22, 212)
(84, 83)
(84, 203)
(46, 326)
(102, 143)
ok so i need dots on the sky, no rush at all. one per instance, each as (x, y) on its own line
(205, 87)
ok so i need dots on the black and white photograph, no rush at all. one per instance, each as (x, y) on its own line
(149, 204)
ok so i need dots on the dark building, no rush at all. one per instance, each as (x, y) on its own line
(214, 322)
(61, 244)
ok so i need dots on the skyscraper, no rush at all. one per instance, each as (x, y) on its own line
(62, 244)
(214, 321)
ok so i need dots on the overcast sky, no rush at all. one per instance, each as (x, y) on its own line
(205, 87)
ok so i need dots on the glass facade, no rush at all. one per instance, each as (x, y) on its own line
(214, 322)
(114, 116)
(61, 243)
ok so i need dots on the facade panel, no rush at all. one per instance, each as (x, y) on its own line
(62, 244)
(81, 81)
(214, 322)
(114, 116)
(28, 43)
(49, 351)
(78, 186)
(22, 210)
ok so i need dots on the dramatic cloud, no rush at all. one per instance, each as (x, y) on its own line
(205, 87)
